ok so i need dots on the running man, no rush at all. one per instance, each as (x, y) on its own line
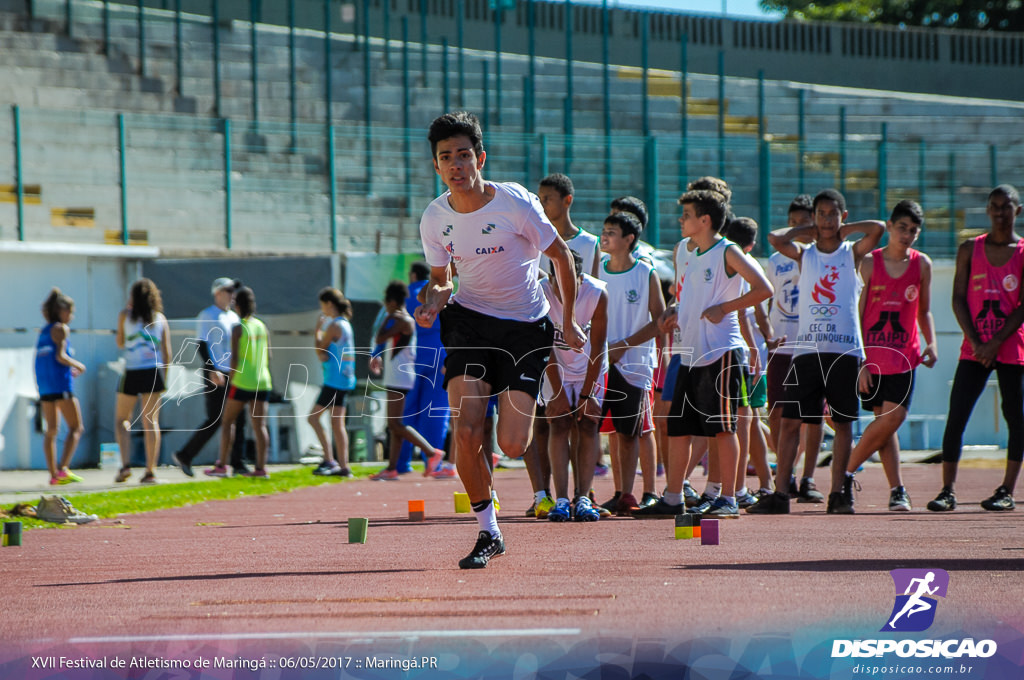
(495, 328)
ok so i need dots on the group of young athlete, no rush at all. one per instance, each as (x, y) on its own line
(849, 318)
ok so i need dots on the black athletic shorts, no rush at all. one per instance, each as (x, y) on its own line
(813, 377)
(330, 396)
(705, 399)
(505, 354)
(896, 388)
(136, 381)
(626, 403)
(57, 396)
(239, 394)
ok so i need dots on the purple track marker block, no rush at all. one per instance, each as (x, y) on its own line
(709, 532)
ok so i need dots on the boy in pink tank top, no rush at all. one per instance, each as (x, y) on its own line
(895, 303)
(987, 297)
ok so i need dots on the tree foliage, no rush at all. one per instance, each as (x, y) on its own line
(996, 15)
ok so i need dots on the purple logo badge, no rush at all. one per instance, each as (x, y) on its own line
(916, 592)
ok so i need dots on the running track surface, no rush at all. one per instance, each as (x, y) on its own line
(279, 568)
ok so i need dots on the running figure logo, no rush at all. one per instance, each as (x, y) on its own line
(914, 610)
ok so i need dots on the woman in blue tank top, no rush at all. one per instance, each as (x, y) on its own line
(55, 370)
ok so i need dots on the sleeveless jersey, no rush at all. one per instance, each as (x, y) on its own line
(829, 310)
(142, 342)
(52, 377)
(340, 367)
(629, 311)
(992, 293)
(706, 283)
(400, 361)
(784, 275)
(583, 244)
(574, 364)
(891, 344)
(252, 370)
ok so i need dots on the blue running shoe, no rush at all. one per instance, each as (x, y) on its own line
(722, 509)
(584, 511)
(562, 512)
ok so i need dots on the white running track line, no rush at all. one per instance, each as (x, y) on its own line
(400, 634)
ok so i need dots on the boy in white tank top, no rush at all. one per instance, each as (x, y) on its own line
(828, 351)
(707, 388)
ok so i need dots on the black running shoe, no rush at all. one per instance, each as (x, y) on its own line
(849, 484)
(838, 504)
(772, 504)
(648, 499)
(486, 547)
(703, 505)
(1001, 500)
(808, 492)
(612, 504)
(185, 465)
(690, 497)
(944, 502)
(660, 510)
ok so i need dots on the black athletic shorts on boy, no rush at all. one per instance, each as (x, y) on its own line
(330, 396)
(626, 403)
(506, 354)
(813, 376)
(895, 388)
(706, 398)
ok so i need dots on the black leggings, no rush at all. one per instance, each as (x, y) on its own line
(968, 384)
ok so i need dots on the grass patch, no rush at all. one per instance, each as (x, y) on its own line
(109, 504)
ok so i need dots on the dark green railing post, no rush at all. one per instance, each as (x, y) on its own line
(332, 178)
(569, 127)
(292, 112)
(644, 60)
(179, 71)
(406, 147)
(328, 58)
(606, 95)
(367, 93)
(254, 65)
(529, 84)
(123, 166)
(459, 25)
(527, 107)
(801, 141)
(497, 65)
(227, 184)
(651, 184)
(883, 169)
(684, 95)
(68, 19)
(544, 155)
(106, 27)
(922, 181)
(19, 186)
(141, 18)
(952, 201)
(721, 113)
(485, 75)
(568, 145)
(423, 42)
(842, 150)
(993, 164)
(765, 190)
(215, 10)
(387, 33)
(444, 74)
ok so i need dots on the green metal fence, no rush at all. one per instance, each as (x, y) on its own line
(199, 183)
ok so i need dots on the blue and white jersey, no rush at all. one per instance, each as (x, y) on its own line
(340, 366)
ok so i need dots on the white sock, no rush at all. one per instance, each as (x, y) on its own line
(713, 489)
(672, 498)
(744, 491)
(539, 496)
(562, 499)
(731, 500)
(488, 520)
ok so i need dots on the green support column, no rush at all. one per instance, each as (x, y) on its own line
(461, 9)
(530, 123)
(292, 112)
(544, 155)
(68, 19)
(141, 18)
(567, 123)
(444, 74)
(332, 176)
(254, 65)
(721, 114)
(123, 163)
(606, 93)
(497, 65)
(328, 71)
(423, 42)
(227, 184)
(179, 71)
(387, 33)
(106, 27)
(569, 127)
(922, 182)
(19, 186)
(883, 168)
(993, 164)
(765, 181)
(651, 184)
(644, 58)
(406, 147)
(215, 10)
(684, 94)
(367, 97)
(801, 139)
(952, 201)
(486, 76)
(842, 150)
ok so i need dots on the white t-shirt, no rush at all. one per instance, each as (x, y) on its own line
(583, 244)
(829, 310)
(784, 275)
(629, 310)
(705, 283)
(495, 249)
(574, 364)
(213, 326)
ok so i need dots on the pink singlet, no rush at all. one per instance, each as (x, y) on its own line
(891, 344)
(992, 293)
